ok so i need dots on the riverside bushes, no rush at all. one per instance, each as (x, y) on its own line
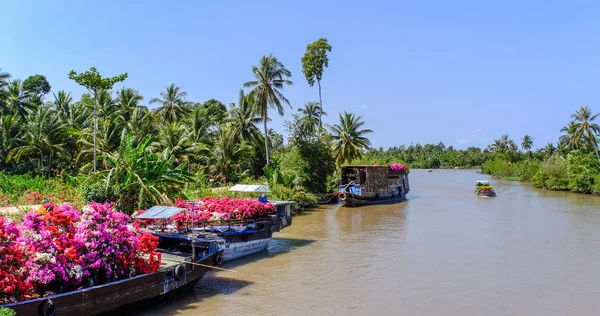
(27, 189)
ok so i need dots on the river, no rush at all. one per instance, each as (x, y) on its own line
(442, 252)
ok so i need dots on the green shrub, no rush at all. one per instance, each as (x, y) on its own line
(527, 169)
(5, 311)
(302, 199)
(500, 167)
(596, 187)
(95, 191)
(552, 174)
(582, 170)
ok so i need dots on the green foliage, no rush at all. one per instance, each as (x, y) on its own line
(527, 169)
(501, 167)
(297, 194)
(315, 60)
(93, 81)
(552, 174)
(140, 178)
(349, 139)
(37, 85)
(26, 189)
(5, 311)
(582, 170)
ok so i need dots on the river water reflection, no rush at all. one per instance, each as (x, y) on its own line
(443, 252)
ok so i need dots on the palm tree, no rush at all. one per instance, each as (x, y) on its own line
(226, 152)
(243, 120)
(176, 138)
(43, 136)
(266, 93)
(63, 103)
(108, 140)
(549, 150)
(586, 129)
(348, 138)
(527, 143)
(172, 104)
(18, 100)
(127, 101)
(311, 115)
(4, 79)
(568, 139)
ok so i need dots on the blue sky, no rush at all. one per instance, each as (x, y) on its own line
(460, 72)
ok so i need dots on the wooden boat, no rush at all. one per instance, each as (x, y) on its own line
(183, 264)
(365, 184)
(483, 188)
(244, 238)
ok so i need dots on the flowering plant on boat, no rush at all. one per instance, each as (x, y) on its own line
(57, 247)
(12, 286)
(398, 167)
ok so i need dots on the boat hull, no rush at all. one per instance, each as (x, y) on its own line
(118, 295)
(241, 249)
(353, 200)
(486, 194)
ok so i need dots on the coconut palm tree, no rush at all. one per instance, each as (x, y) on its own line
(348, 138)
(549, 149)
(17, 99)
(527, 143)
(226, 153)
(568, 139)
(311, 115)
(585, 128)
(243, 120)
(43, 136)
(4, 78)
(177, 139)
(127, 101)
(172, 104)
(108, 140)
(267, 89)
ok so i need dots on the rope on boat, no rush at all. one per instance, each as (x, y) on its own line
(207, 266)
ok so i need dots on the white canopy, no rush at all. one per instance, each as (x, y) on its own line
(255, 188)
(483, 182)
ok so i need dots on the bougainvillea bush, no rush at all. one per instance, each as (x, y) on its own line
(396, 167)
(58, 248)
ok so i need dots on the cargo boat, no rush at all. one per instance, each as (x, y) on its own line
(372, 184)
(183, 262)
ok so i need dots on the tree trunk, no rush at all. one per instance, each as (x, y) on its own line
(320, 105)
(265, 118)
(596, 149)
(49, 165)
(95, 129)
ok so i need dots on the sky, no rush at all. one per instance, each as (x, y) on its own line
(459, 72)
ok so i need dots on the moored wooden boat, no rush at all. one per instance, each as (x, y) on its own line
(365, 184)
(176, 274)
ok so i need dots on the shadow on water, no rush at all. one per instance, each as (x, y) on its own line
(277, 246)
(189, 299)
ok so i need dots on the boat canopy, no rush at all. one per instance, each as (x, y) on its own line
(254, 188)
(161, 212)
(483, 182)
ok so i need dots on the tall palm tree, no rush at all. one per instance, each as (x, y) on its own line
(267, 89)
(349, 139)
(127, 101)
(586, 129)
(63, 103)
(243, 120)
(311, 115)
(568, 139)
(527, 143)
(18, 100)
(172, 104)
(4, 78)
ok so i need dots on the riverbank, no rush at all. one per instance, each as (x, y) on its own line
(575, 172)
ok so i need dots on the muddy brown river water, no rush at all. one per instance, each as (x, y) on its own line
(442, 252)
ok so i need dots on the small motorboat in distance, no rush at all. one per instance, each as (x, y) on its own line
(483, 188)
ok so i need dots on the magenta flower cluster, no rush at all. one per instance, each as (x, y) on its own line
(396, 167)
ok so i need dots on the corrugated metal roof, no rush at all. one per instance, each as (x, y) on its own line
(161, 212)
(250, 188)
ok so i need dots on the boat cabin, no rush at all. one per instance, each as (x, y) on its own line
(374, 181)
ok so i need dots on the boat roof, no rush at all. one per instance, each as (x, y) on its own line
(161, 212)
(255, 188)
(365, 166)
(483, 182)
